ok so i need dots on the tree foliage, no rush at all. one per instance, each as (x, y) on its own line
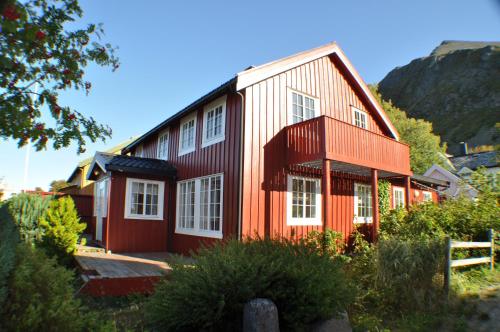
(57, 185)
(40, 58)
(425, 146)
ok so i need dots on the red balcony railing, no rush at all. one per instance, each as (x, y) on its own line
(328, 138)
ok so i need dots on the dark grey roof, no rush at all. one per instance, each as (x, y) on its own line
(474, 160)
(429, 180)
(203, 99)
(137, 165)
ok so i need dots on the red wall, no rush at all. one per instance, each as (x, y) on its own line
(222, 157)
(134, 235)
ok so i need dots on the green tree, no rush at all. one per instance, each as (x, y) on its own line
(39, 58)
(425, 146)
(57, 185)
(62, 228)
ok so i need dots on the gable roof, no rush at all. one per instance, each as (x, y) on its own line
(257, 74)
(475, 160)
(252, 75)
(137, 165)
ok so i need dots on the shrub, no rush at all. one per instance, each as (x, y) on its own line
(329, 242)
(8, 242)
(26, 210)
(409, 272)
(62, 228)
(304, 285)
(41, 297)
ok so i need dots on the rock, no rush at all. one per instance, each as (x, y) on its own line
(341, 324)
(260, 315)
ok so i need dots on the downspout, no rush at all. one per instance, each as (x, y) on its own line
(240, 193)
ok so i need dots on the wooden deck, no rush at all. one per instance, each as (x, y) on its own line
(107, 274)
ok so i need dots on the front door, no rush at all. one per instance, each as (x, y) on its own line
(101, 206)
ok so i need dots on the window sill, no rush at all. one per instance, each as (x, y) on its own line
(303, 222)
(142, 217)
(213, 141)
(363, 220)
(215, 235)
(184, 152)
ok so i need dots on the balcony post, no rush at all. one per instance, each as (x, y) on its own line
(407, 191)
(375, 211)
(325, 191)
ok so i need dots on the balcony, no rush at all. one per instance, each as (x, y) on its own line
(311, 141)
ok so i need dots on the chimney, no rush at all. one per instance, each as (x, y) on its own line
(463, 148)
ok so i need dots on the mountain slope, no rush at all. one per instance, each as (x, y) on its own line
(457, 88)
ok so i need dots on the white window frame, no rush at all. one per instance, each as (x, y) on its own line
(394, 198)
(363, 113)
(427, 199)
(163, 133)
(304, 95)
(128, 192)
(303, 221)
(208, 108)
(359, 219)
(197, 231)
(185, 120)
(139, 151)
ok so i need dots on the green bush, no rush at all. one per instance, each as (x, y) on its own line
(62, 228)
(26, 210)
(41, 297)
(304, 285)
(8, 242)
(329, 242)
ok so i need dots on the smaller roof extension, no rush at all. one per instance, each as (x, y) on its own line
(105, 162)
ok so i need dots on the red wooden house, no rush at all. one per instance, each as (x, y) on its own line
(281, 149)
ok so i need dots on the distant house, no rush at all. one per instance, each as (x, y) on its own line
(82, 190)
(281, 149)
(461, 168)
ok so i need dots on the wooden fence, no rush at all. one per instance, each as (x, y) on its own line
(451, 263)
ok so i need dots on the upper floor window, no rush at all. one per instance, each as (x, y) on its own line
(303, 107)
(362, 203)
(187, 135)
(144, 199)
(359, 118)
(398, 197)
(163, 145)
(304, 201)
(214, 122)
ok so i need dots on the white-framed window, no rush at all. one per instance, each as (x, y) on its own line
(187, 138)
(214, 122)
(398, 197)
(302, 107)
(163, 139)
(199, 206)
(144, 199)
(303, 201)
(363, 203)
(139, 151)
(359, 118)
(427, 196)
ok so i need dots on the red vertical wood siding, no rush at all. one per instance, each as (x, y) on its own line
(264, 161)
(222, 157)
(134, 235)
(416, 192)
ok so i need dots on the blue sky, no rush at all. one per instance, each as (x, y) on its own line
(172, 52)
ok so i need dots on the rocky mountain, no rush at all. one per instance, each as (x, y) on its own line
(456, 87)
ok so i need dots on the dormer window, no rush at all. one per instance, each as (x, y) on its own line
(302, 107)
(359, 118)
(163, 139)
(214, 122)
(187, 135)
